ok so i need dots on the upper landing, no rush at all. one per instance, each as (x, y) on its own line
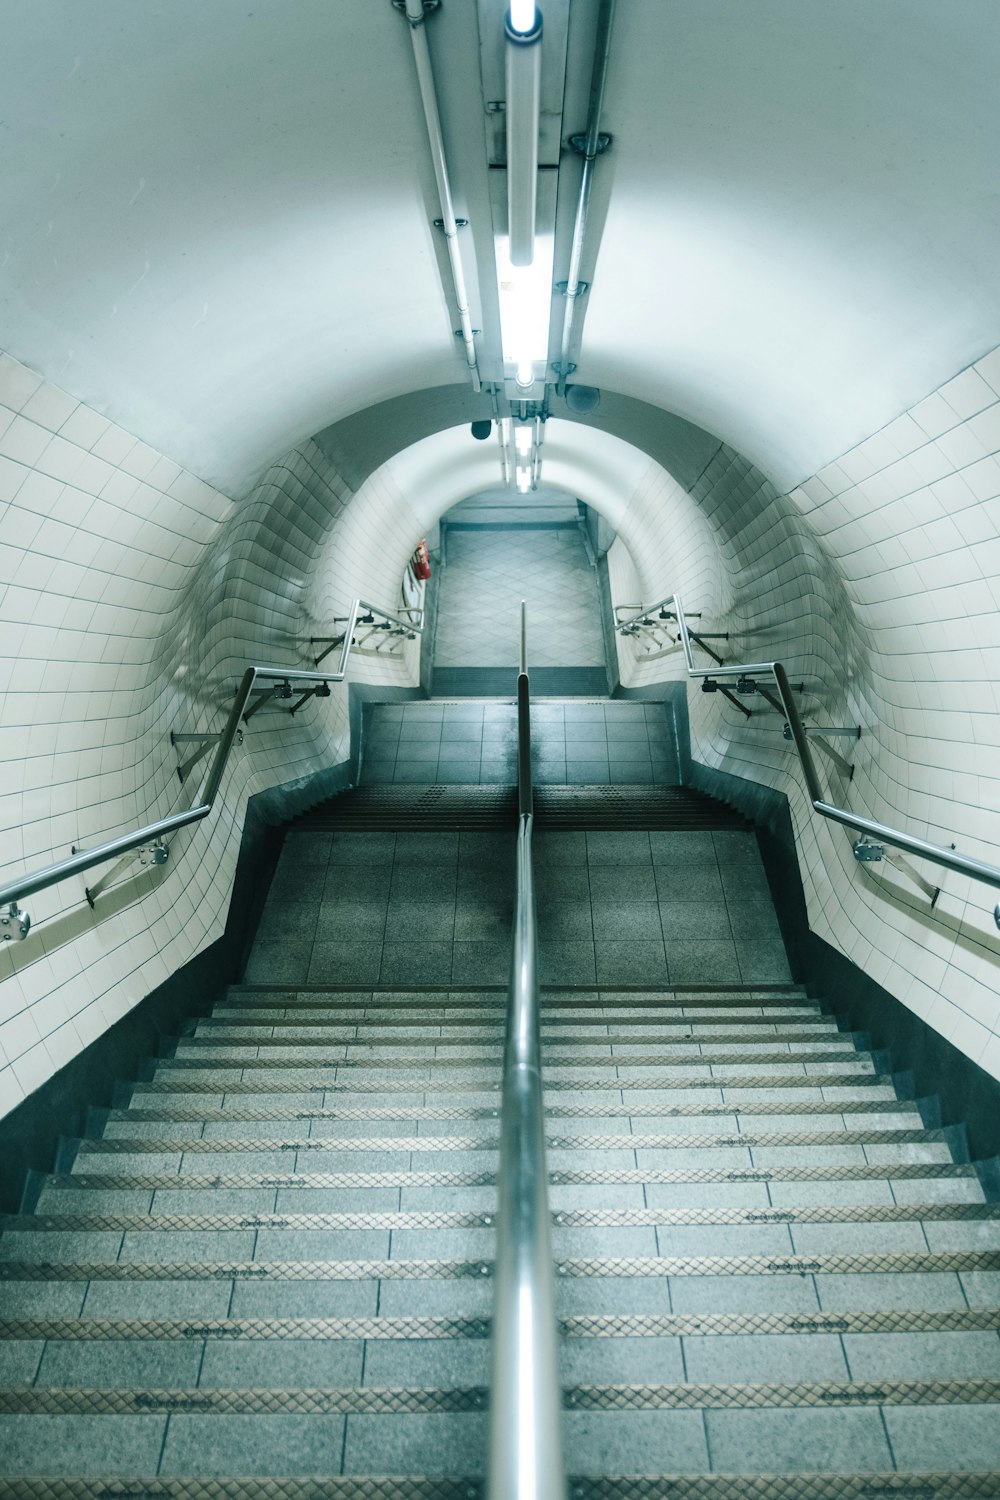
(573, 742)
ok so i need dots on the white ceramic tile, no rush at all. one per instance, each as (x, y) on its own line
(891, 621)
(131, 601)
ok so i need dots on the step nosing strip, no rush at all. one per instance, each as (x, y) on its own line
(840, 1050)
(486, 989)
(575, 1267)
(965, 1484)
(559, 1177)
(83, 1329)
(868, 1484)
(675, 1027)
(391, 1400)
(239, 1145)
(400, 1113)
(575, 1326)
(496, 1005)
(305, 1401)
(389, 1219)
(550, 1085)
(720, 1058)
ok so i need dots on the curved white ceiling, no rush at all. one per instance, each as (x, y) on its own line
(803, 218)
(450, 466)
(217, 216)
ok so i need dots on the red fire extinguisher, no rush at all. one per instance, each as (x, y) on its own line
(420, 562)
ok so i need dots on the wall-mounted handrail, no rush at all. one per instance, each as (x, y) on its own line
(27, 885)
(948, 859)
(525, 1446)
(405, 625)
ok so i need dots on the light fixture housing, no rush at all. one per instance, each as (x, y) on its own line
(525, 297)
(523, 112)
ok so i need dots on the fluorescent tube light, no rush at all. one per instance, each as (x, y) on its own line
(525, 295)
(524, 103)
(523, 439)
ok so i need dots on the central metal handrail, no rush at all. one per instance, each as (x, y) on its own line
(77, 864)
(525, 1443)
(948, 859)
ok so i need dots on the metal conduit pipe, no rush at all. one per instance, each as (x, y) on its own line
(414, 13)
(598, 80)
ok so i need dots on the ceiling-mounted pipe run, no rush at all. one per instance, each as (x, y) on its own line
(591, 150)
(414, 13)
(523, 112)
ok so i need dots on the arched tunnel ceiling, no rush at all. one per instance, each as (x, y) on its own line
(803, 216)
(360, 443)
(441, 470)
(217, 217)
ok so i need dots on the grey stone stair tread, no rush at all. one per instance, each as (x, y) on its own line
(80, 1445)
(409, 1080)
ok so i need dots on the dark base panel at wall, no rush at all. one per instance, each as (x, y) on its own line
(30, 1134)
(967, 1094)
(608, 631)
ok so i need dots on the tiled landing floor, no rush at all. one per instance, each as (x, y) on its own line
(579, 744)
(613, 908)
(488, 573)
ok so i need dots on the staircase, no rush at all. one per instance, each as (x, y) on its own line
(266, 1273)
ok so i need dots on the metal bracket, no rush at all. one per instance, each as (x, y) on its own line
(157, 853)
(14, 923)
(496, 106)
(851, 733)
(460, 333)
(563, 369)
(429, 6)
(710, 685)
(318, 640)
(866, 852)
(279, 690)
(204, 743)
(321, 690)
(578, 143)
(746, 686)
(582, 287)
(459, 223)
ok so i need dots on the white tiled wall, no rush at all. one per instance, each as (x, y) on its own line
(877, 582)
(132, 597)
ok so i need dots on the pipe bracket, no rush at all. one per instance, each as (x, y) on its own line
(429, 6)
(578, 143)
